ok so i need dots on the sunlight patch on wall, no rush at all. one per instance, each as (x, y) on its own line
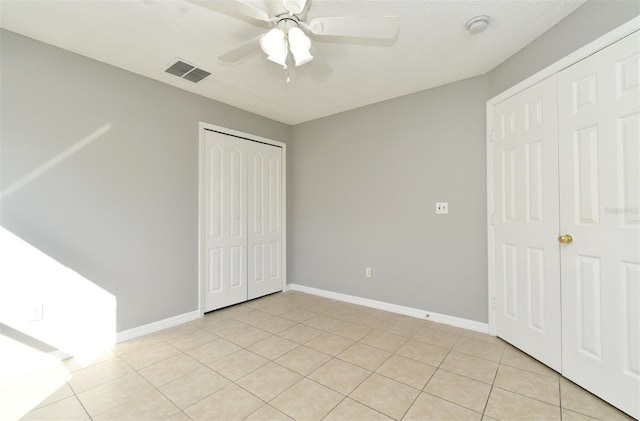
(48, 301)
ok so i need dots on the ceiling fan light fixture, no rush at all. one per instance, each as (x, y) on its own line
(274, 45)
(299, 44)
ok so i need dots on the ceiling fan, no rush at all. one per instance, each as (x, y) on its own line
(288, 37)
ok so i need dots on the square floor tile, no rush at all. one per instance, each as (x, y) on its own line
(470, 366)
(574, 416)
(192, 339)
(399, 325)
(436, 337)
(62, 392)
(352, 331)
(385, 395)
(275, 324)
(307, 400)
(213, 351)
(407, 371)
(298, 315)
(303, 360)
(224, 327)
(151, 405)
(179, 416)
(488, 351)
(170, 369)
(364, 356)
(273, 347)
(329, 343)
(253, 317)
(68, 409)
(504, 405)
(351, 410)
(577, 399)
(384, 340)
(230, 403)
(113, 393)
(458, 389)
(247, 336)
(239, 364)
(528, 384)
(340, 376)
(196, 385)
(300, 333)
(150, 355)
(425, 353)
(95, 375)
(268, 413)
(515, 358)
(269, 381)
(431, 408)
(322, 322)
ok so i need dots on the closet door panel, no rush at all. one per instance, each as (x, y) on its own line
(265, 219)
(526, 222)
(223, 193)
(599, 105)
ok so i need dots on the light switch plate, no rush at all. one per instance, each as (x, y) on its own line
(442, 207)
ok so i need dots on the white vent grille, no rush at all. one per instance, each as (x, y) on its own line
(187, 71)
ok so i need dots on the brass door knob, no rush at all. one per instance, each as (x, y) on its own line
(565, 239)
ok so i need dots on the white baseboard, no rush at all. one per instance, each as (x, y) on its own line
(407, 311)
(59, 355)
(125, 335)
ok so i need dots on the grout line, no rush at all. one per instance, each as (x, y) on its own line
(369, 317)
(79, 401)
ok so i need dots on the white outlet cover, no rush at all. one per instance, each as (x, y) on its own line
(442, 207)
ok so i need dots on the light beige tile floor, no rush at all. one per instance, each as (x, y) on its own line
(296, 356)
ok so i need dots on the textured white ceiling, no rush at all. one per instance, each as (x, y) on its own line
(432, 48)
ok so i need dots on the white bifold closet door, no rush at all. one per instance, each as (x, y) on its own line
(241, 190)
(566, 171)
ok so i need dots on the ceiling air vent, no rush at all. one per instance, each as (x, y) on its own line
(187, 71)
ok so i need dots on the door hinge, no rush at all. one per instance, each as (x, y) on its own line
(494, 303)
(491, 135)
(493, 219)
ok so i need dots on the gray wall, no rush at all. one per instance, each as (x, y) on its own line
(363, 184)
(362, 190)
(123, 210)
(592, 20)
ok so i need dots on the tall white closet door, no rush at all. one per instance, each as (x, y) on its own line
(224, 196)
(265, 220)
(527, 265)
(599, 128)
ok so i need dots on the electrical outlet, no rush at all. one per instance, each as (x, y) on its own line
(367, 272)
(442, 207)
(35, 313)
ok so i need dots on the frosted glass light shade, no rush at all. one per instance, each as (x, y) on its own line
(274, 45)
(299, 44)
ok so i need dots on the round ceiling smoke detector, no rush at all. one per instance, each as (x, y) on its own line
(478, 24)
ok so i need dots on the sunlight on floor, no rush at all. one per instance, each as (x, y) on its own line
(49, 302)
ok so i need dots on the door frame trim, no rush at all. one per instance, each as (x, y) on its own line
(593, 47)
(202, 126)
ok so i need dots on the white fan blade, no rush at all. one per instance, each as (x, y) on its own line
(241, 51)
(233, 7)
(383, 27)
